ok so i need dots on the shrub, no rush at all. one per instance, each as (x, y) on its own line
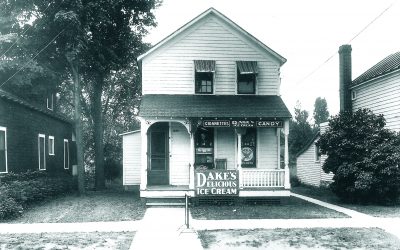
(364, 157)
(18, 191)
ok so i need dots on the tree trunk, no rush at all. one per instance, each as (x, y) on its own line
(78, 127)
(97, 116)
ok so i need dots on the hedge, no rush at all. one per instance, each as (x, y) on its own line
(18, 191)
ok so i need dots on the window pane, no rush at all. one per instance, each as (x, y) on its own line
(2, 140)
(249, 148)
(204, 82)
(246, 88)
(41, 153)
(3, 151)
(246, 83)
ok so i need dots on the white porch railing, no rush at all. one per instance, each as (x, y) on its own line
(254, 178)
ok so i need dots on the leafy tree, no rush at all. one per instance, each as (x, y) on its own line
(364, 157)
(321, 113)
(90, 40)
(300, 131)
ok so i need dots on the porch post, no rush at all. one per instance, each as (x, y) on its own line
(287, 173)
(191, 164)
(239, 157)
(278, 141)
(143, 171)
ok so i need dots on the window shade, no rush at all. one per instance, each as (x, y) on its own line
(247, 67)
(204, 65)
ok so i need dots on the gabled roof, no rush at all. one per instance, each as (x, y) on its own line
(10, 97)
(309, 143)
(387, 65)
(227, 106)
(212, 11)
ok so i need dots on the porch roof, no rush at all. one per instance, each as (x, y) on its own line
(252, 106)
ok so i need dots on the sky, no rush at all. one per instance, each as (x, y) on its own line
(307, 33)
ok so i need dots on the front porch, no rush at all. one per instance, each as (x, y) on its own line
(174, 150)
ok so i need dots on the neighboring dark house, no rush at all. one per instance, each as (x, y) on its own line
(32, 138)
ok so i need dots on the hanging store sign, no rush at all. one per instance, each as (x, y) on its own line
(238, 123)
(217, 182)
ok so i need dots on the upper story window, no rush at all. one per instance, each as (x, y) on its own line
(50, 102)
(204, 76)
(246, 77)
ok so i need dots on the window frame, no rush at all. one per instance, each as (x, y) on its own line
(44, 151)
(353, 95)
(50, 146)
(67, 143)
(317, 153)
(196, 84)
(254, 76)
(205, 150)
(5, 147)
(52, 103)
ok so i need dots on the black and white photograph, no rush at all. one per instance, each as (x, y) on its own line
(199, 124)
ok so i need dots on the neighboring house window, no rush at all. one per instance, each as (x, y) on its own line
(246, 77)
(42, 151)
(353, 95)
(3, 150)
(66, 154)
(51, 145)
(50, 102)
(317, 153)
(204, 76)
(204, 148)
(249, 148)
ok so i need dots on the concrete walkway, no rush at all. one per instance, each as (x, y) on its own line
(163, 228)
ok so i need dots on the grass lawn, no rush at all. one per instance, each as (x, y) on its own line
(295, 208)
(107, 205)
(317, 238)
(66, 241)
(325, 194)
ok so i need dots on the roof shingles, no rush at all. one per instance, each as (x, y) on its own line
(227, 106)
(387, 65)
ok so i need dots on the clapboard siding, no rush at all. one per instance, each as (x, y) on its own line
(180, 155)
(226, 146)
(382, 96)
(170, 69)
(326, 177)
(308, 170)
(131, 157)
(267, 148)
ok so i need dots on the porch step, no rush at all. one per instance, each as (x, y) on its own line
(163, 201)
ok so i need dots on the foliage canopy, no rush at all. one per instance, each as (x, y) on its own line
(364, 157)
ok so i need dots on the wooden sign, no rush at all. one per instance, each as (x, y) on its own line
(243, 123)
(217, 182)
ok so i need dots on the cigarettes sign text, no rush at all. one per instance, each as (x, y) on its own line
(217, 183)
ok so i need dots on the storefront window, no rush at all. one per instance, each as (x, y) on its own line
(249, 148)
(204, 148)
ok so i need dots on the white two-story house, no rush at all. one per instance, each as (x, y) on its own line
(210, 101)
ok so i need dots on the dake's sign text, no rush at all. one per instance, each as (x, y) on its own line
(217, 182)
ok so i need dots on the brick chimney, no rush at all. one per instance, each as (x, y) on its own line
(345, 77)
